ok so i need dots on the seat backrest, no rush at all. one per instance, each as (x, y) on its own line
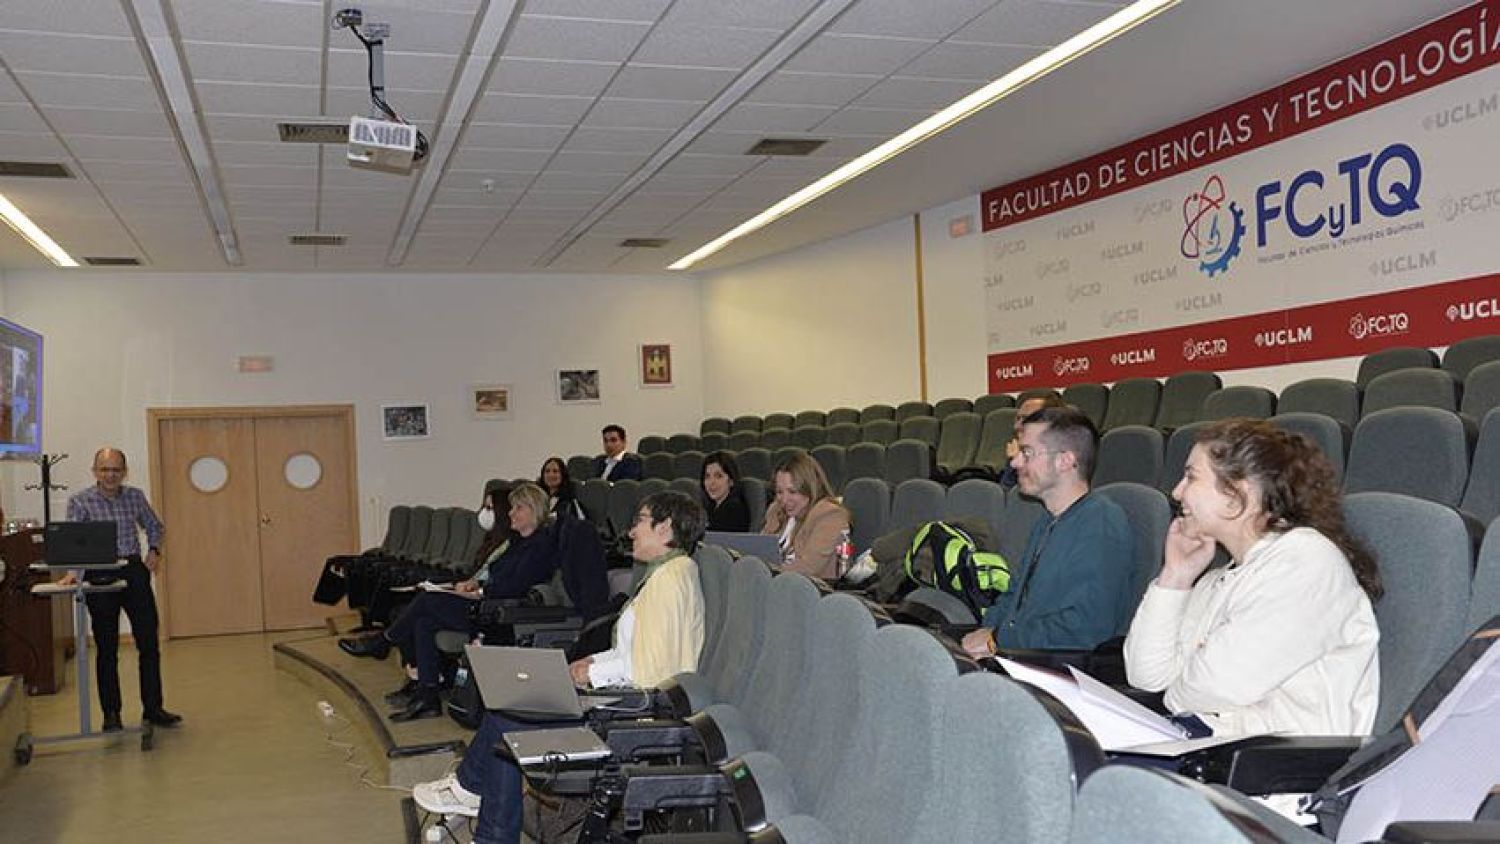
(842, 415)
(1182, 398)
(1123, 804)
(958, 441)
(1482, 494)
(947, 407)
(1130, 453)
(1417, 451)
(868, 501)
(1132, 401)
(908, 409)
(741, 440)
(1461, 357)
(714, 425)
(467, 557)
(755, 500)
(1174, 460)
(1244, 400)
(999, 427)
(650, 444)
(1334, 397)
(745, 423)
(841, 433)
(651, 486)
(977, 498)
(1484, 595)
(755, 463)
(864, 460)
(688, 486)
(437, 535)
(774, 438)
(883, 431)
(1149, 514)
(916, 501)
(809, 437)
(809, 417)
(460, 519)
(713, 441)
(1328, 434)
(418, 525)
(783, 454)
(657, 465)
(1091, 399)
(624, 498)
(1411, 388)
(906, 459)
(678, 443)
(397, 523)
(714, 564)
(1379, 363)
(875, 412)
(1425, 555)
(924, 428)
(1482, 390)
(687, 464)
(1016, 520)
(580, 467)
(990, 402)
(777, 420)
(777, 672)
(593, 497)
(744, 629)
(1036, 393)
(831, 458)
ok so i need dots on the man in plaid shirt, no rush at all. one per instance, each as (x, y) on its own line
(110, 500)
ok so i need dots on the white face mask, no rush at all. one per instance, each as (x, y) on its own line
(487, 519)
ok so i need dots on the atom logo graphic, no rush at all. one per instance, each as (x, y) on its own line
(1204, 236)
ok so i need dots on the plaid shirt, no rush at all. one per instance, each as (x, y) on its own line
(126, 510)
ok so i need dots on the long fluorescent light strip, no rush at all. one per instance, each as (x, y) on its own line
(1096, 35)
(34, 235)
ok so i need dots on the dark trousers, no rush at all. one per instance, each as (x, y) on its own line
(415, 631)
(497, 779)
(139, 604)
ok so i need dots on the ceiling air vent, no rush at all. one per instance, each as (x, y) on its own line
(316, 239)
(314, 133)
(786, 146)
(105, 261)
(35, 169)
(643, 242)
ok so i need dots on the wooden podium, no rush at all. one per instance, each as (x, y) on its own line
(34, 637)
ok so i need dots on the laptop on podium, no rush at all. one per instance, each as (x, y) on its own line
(79, 544)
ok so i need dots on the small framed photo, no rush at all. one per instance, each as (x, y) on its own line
(490, 401)
(405, 421)
(656, 364)
(578, 386)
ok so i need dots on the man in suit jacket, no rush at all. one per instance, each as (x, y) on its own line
(617, 464)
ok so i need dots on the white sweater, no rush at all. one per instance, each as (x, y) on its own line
(1284, 641)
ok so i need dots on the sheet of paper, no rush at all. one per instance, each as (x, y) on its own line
(1103, 695)
(1110, 728)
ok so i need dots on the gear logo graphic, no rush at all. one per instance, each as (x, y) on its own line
(1212, 228)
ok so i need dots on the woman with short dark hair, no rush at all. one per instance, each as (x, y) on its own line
(723, 497)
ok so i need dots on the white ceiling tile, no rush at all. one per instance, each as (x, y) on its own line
(538, 37)
(135, 195)
(259, 63)
(706, 183)
(229, 153)
(721, 142)
(980, 63)
(349, 68)
(688, 164)
(31, 146)
(765, 117)
(526, 108)
(69, 53)
(537, 76)
(670, 83)
(641, 114)
(534, 201)
(596, 162)
(271, 193)
(121, 148)
(856, 54)
(903, 18)
(256, 99)
(826, 89)
(594, 184)
(92, 121)
(907, 93)
(67, 90)
(10, 92)
(514, 136)
(420, 107)
(379, 10)
(245, 128)
(170, 172)
(617, 140)
(704, 45)
(489, 160)
(265, 174)
(414, 29)
(252, 22)
(21, 117)
(874, 120)
(644, 11)
(1032, 23)
(761, 13)
(89, 17)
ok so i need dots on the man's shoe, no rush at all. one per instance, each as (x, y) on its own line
(446, 797)
(402, 696)
(376, 646)
(161, 718)
(112, 723)
(424, 703)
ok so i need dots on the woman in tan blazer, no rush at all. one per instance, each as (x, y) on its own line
(807, 516)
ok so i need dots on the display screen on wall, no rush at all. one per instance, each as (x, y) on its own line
(20, 391)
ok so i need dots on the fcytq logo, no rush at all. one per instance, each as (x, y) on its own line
(1473, 309)
(1284, 337)
(1195, 349)
(1070, 366)
(1378, 325)
(1134, 357)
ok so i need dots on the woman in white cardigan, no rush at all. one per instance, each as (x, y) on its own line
(1283, 639)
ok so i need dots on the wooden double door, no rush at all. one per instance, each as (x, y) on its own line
(254, 499)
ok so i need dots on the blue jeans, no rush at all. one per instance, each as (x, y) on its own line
(497, 779)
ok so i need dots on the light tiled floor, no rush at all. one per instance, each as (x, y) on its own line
(249, 764)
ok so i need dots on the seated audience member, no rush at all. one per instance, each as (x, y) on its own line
(617, 464)
(723, 497)
(807, 517)
(659, 635)
(1013, 445)
(1071, 588)
(529, 558)
(1283, 639)
(562, 499)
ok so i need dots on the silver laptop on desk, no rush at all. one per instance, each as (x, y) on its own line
(763, 546)
(529, 681)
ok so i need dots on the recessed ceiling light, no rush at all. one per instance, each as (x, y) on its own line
(33, 234)
(107, 261)
(644, 242)
(35, 169)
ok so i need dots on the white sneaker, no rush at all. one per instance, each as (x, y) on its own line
(446, 797)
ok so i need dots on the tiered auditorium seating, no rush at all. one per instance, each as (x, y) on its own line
(1182, 398)
(1092, 399)
(1379, 363)
(1228, 402)
(1132, 401)
(1411, 388)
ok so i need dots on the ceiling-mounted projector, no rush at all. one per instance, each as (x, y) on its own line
(381, 144)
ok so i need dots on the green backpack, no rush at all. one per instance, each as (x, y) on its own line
(959, 568)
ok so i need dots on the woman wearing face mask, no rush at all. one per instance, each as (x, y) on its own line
(1284, 638)
(529, 558)
(562, 499)
(807, 517)
(723, 497)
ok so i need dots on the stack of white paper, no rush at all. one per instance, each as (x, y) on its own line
(1116, 721)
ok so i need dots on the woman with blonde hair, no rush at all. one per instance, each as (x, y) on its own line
(807, 517)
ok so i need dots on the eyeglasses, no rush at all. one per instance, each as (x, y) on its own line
(1028, 454)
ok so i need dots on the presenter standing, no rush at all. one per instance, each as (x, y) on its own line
(111, 500)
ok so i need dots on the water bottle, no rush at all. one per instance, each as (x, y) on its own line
(845, 554)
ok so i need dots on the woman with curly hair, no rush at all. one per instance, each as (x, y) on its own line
(1283, 639)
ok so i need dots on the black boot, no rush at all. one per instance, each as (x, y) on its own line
(376, 646)
(402, 696)
(424, 703)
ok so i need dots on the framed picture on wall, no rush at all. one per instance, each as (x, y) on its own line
(578, 386)
(656, 364)
(490, 401)
(405, 422)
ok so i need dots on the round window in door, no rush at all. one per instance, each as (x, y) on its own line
(208, 474)
(302, 471)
